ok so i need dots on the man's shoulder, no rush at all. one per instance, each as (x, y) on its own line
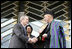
(57, 22)
(18, 24)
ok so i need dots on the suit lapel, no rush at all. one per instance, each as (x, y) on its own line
(22, 28)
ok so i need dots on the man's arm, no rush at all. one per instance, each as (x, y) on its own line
(19, 33)
(62, 36)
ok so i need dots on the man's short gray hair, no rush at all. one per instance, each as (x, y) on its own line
(23, 17)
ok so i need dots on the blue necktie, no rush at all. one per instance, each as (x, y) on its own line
(25, 31)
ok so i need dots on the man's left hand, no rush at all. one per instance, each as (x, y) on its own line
(44, 35)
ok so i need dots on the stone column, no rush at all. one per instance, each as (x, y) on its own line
(21, 10)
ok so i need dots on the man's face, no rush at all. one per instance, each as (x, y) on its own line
(26, 21)
(47, 17)
(28, 29)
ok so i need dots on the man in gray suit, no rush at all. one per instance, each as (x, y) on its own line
(19, 36)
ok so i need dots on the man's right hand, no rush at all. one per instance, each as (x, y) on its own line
(33, 40)
(29, 40)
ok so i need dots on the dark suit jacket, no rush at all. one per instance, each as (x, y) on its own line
(19, 38)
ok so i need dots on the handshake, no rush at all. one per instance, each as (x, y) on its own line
(33, 40)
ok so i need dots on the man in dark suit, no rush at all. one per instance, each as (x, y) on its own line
(19, 36)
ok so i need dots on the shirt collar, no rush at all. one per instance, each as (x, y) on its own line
(25, 26)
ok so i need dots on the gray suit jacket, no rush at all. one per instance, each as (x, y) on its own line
(19, 38)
